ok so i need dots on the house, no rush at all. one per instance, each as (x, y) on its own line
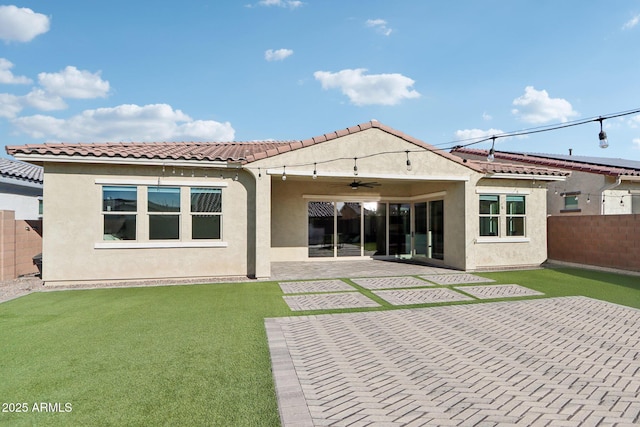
(596, 186)
(133, 211)
(21, 189)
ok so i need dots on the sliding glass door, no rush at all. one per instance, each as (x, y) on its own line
(354, 229)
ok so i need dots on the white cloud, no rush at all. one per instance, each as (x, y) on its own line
(74, 83)
(636, 143)
(277, 55)
(43, 101)
(380, 26)
(473, 134)
(631, 23)
(154, 122)
(7, 77)
(291, 4)
(486, 116)
(374, 89)
(535, 106)
(10, 105)
(21, 24)
(634, 121)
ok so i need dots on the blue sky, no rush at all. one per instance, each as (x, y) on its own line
(195, 70)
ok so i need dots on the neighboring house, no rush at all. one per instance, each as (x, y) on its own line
(596, 186)
(133, 211)
(21, 189)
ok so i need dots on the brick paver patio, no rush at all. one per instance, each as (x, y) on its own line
(390, 282)
(455, 279)
(314, 286)
(498, 291)
(569, 361)
(421, 296)
(328, 301)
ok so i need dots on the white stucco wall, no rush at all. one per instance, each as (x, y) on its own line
(430, 174)
(73, 246)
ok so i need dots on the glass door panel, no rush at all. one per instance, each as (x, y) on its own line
(436, 229)
(420, 228)
(348, 220)
(321, 230)
(399, 229)
(375, 228)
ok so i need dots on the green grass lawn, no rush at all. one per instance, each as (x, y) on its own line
(178, 355)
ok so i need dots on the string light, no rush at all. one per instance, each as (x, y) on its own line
(602, 136)
(236, 177)
(455, 144)
(408, 161)
(259, 174)
(315, 172)
(492, 153)
(355, 166)
(284, 173)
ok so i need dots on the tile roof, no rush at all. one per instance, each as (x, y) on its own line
(245, 152)
(574, 163)
(21, 171)
(510, 168)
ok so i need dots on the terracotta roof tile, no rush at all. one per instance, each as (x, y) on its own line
(510, 168)
(540, 160)
(245, 152)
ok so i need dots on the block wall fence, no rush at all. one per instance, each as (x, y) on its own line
(20, 241)
(611, 241)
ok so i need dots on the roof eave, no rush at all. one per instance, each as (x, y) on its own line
(531, 177)
(40, 159)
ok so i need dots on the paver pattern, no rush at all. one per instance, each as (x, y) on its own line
(421, 296)
(315, 286)
(498, 291)
(569, 361)
(328, 301)
(390, 282)
(455, 279)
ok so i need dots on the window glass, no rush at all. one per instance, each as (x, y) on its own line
(163, 199)
(205, 227)
(489, 204)
(206, 200)
(489, 211)
(119, 227)
(571, 202)
(515, 226)
(489, 226)
(119, 199)
(164, 227)
(515, 205)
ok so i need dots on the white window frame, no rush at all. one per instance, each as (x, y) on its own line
(142, 228)
(503, 236)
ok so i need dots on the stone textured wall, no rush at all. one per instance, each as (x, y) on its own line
(611, 241)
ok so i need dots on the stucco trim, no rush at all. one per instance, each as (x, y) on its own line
(39, 159)
(160, 181)
(156, 245)
(278, 171)
(527, 177)
(502, 190)
(503, 240)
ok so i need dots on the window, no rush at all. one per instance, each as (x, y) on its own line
(489, 215)
(156, 216)
(119, 208)
(163, 206)
(206, 213)
(515, 215)
(502, 215)
(570, 202)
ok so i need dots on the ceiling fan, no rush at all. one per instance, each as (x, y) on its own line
(357, 184)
